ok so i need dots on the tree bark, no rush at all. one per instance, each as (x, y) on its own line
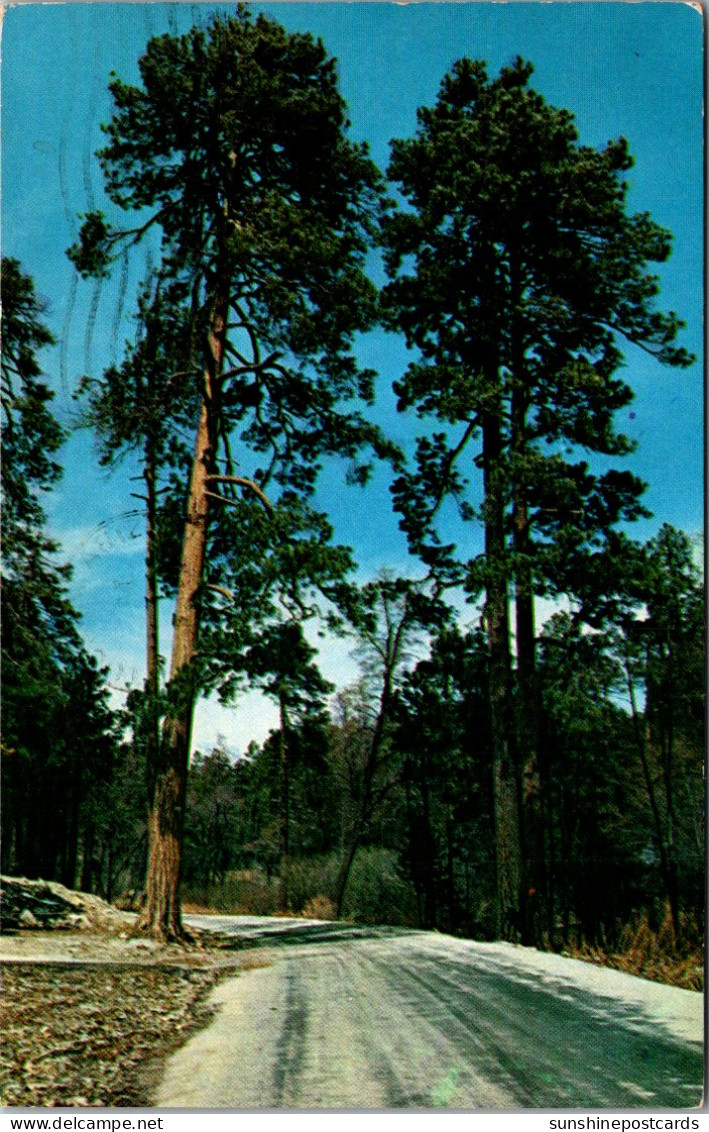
(641, 743)
(284, 802)
(161, 915)
(662, 699)
(532, 827)
(497, 622)
(532, 821)
(152, 643)
(343, 873)
(70, 848)
(430, 903)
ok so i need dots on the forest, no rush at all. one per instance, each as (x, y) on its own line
(492, 773)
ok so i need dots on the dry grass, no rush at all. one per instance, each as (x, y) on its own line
(652, 953)
(319, 908)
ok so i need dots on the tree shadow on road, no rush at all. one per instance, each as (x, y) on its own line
(238, 932)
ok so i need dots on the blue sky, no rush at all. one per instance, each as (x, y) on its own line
(621, 68)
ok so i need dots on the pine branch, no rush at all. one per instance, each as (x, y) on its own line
(241, 481)
(221, 590)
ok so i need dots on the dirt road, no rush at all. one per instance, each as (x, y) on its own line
(346, 1017)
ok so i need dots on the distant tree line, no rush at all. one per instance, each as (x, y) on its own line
(623, 803)
(487, 775)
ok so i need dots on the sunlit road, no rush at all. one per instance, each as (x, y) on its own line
(336, 1016)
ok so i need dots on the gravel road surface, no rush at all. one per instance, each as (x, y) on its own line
(340, 1016)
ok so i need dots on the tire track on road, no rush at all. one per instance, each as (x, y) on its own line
(439, 1057)
(290, 1049)
(377, 1031)
(551, 1051)
(491, 1039)
(373, 1022)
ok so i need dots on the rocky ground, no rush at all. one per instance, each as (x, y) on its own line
(75, 1037)
(87, 1013)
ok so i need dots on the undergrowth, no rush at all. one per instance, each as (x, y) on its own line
(653, 953)
(376, 894)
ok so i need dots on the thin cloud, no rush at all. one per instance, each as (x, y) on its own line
(98, 540)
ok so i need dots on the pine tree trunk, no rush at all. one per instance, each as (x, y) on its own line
(667, 734)
(284, 804)
(534, 886)
(533, 824)
(497, 621)
(70, 854)
(641, 740)
(450, 877)
(88, 841)
(532, 827)
(430, 906)
(343, 873)
(152, 687)
(161, 916)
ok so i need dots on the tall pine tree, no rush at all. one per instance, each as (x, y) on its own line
(516, 271)
(57, 725)
(234, 147)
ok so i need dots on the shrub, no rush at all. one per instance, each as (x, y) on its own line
(376, 892)
(311, 877)
(319, 908)
(652, 953)
(244, 892)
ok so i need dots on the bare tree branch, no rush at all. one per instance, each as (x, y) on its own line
(221, 590)
(242, 481)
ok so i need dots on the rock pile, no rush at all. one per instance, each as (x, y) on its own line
(37, 904)
(33, 904)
